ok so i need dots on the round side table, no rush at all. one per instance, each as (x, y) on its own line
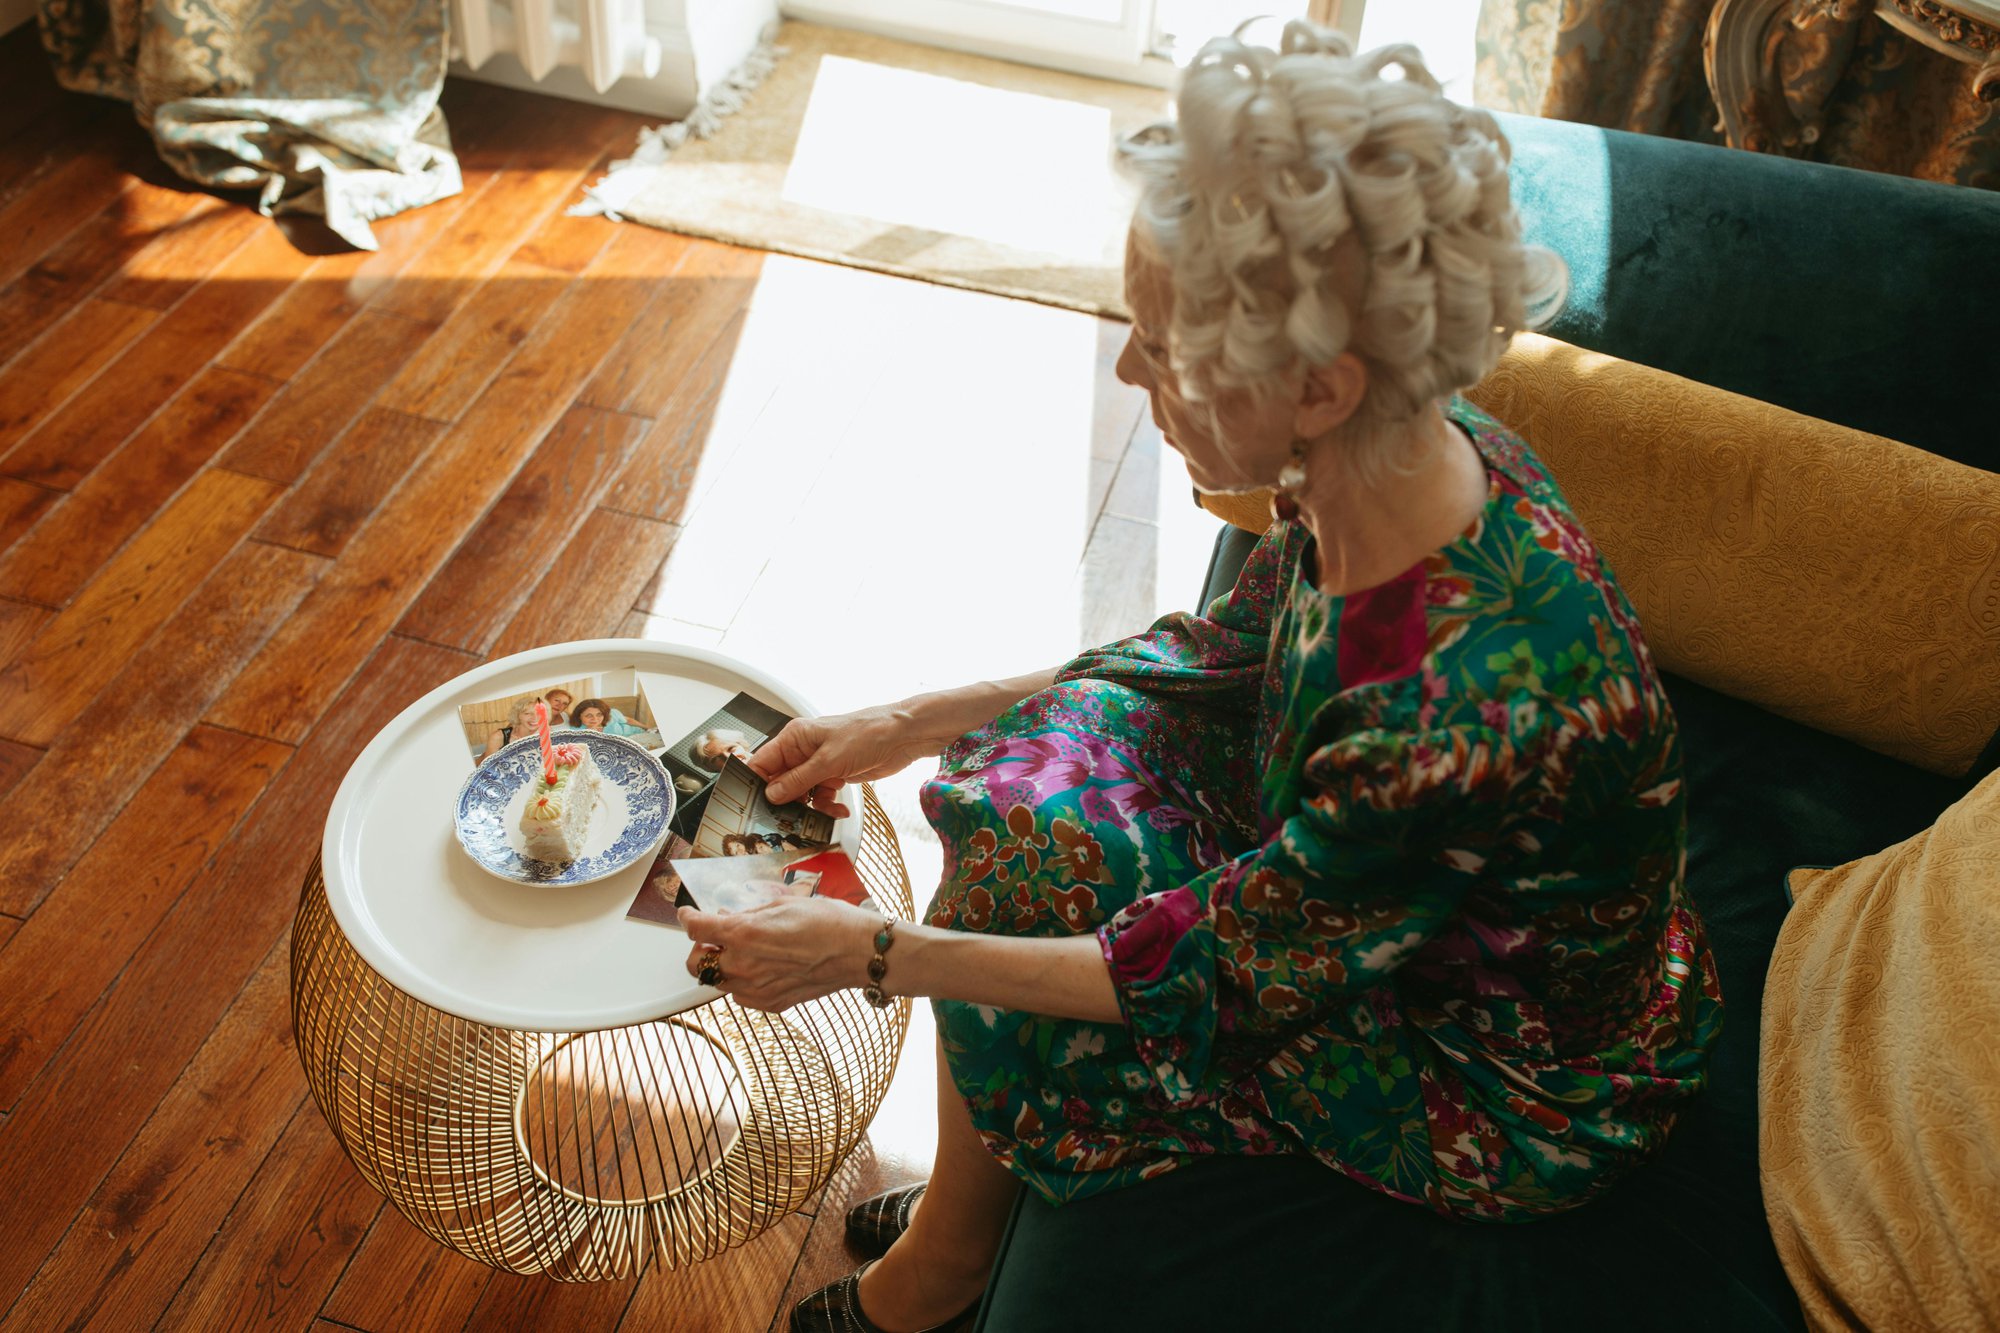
(534, 1081)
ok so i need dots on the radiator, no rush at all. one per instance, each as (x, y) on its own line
(605, 39)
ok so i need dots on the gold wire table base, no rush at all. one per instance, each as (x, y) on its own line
(588, 1156)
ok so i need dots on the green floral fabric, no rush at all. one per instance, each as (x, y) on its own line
(323, 106)
(1394, 879)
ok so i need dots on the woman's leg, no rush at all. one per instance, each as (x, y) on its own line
(939, 1266)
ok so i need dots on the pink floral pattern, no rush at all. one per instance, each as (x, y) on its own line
(1394, 879)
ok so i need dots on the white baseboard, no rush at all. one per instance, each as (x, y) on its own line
(13, 13)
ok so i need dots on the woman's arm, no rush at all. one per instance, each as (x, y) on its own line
(811, 757)
(798, 949)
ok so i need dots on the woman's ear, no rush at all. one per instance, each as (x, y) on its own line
(1332, 393)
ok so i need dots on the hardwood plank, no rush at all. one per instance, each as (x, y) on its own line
(567, 243)
(145, 1224)
(286, 1241)
(402, 1279)
(511, 1302)
(44, 687)
(658, 480)
(511, 209)
(1119, 577)
(592, 584)
(34, 96)
(90, 772)
(42, 378)
(54, 206)
(738, 1289)
(453, 368)
(471, 599)
(131, 486)
(85, 932)
(387, 564)
(710, 289)
(174, 262)
(153, 369)
(1117, 408)
(20, 506)
(165, 1005)
(330, 292)
(899, 1149)
(20, 624)
(76, 122)
(349, 482)
(334, 287)
(497, 127)
(325, 397)
(8, 925)
(15, 761)
(142, 217)
(665, 629)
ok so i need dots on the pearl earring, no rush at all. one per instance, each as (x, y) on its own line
(1291, 478)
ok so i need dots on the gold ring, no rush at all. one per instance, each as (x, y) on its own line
(710, 972)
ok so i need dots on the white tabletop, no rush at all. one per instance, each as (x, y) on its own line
(434, 924)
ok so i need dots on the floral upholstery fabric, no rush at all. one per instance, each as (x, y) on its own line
(1393, 879)
(325, 106)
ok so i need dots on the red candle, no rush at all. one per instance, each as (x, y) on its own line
(548, 746)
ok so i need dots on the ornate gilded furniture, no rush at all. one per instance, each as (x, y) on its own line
(1772, 63)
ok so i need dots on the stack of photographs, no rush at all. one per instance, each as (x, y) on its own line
(729, 848)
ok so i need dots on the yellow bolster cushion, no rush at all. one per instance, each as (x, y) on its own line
(1831, 576)
(1879, 1081)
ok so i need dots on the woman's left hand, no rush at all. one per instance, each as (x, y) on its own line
(785, 952)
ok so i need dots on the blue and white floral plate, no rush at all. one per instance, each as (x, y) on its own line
(635, 802)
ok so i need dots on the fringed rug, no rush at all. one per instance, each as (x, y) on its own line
(906, 159)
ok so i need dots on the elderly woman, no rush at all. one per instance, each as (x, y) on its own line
(1380, 858)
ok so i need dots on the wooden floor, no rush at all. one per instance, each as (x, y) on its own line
(257, 493)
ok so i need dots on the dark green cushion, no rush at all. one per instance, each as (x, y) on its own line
(1285, 1243)
(1854, 297)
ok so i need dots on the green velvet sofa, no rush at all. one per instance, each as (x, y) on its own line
(1855, 298)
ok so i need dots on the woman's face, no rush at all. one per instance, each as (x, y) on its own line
(716, 744)
(559, 702)
(592, 719)
(1259, 435)
(524, 719)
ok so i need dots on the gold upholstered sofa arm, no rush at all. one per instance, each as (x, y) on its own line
(1833, 577)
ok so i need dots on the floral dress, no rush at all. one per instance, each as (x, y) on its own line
(1394, 879)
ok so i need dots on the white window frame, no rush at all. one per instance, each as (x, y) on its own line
(1122, 50)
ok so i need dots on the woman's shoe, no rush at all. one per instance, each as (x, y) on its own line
(836, 1308)
(873, 1224)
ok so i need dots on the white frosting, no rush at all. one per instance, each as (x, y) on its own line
(557, 818)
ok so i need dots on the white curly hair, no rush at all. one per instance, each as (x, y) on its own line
(1305, 205)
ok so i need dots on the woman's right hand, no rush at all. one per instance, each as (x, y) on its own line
(812, 757)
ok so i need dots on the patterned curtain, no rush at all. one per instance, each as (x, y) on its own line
(326, 106)
(1888, 102)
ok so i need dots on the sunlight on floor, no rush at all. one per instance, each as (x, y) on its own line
(950, 156)
(899, 494)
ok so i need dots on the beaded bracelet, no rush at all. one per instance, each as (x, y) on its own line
(879, 965)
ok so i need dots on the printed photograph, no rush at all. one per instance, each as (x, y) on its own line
(739, 820)
(739, 883)
(836, 874)
(661, 892)
(613, 702)
(738, 727)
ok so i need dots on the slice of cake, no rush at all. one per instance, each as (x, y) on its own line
(557, 818)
